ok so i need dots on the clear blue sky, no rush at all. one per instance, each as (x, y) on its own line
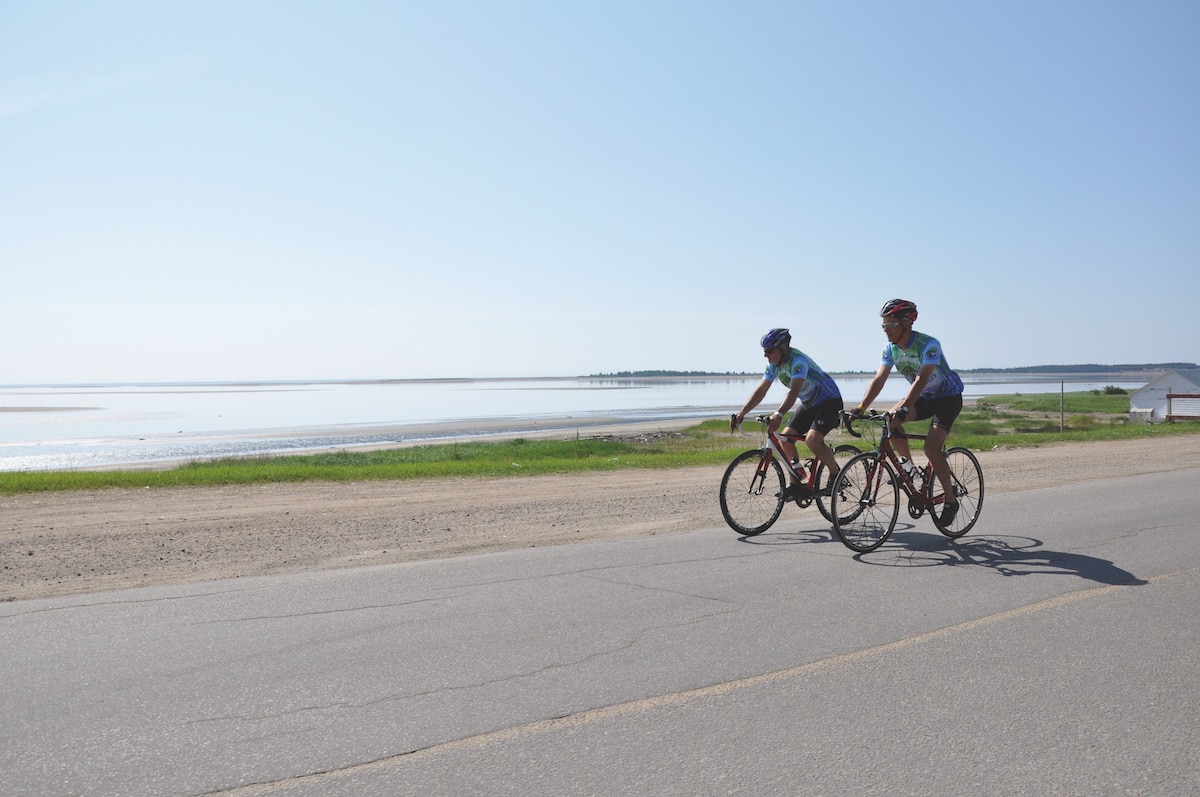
(293, 190)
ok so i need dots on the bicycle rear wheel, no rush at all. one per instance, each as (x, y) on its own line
(752, 492)
(865, 502)
(968, 489)
(842, 454)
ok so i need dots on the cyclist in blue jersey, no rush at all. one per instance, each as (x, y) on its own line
(820, 400)
(935, 391)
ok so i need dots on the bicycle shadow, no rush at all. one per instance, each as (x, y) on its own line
(1006, 555)
(809, 534)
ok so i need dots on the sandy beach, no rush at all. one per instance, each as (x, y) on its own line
(80, 542)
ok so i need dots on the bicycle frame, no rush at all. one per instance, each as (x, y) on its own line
(921, 498)
(772, 447)
(866, 494)
(754, 488)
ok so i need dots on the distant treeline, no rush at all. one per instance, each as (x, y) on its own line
(1086, 368)
(635, 374)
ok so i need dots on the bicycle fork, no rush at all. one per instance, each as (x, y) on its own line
(760, 474)
(871, 485)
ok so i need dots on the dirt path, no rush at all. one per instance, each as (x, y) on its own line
(69, 543)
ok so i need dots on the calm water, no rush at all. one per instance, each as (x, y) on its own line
(53, 427)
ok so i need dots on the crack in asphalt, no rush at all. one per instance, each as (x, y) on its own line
(588, 716)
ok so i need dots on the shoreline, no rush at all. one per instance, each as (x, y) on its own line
(486, 430)
(433, 434)
(168, 425)
(163, 452)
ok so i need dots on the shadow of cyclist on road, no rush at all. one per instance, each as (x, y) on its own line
(1007, 555)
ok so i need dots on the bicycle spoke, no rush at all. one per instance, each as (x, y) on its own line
(967, 477)
(865, 503)
(824, 483)
(752, 493)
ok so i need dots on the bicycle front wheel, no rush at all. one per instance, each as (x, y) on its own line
(968, 489)
(752, 492)
(865, 502)
(842, 454)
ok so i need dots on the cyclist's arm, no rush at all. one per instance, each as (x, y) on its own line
(788, 401)
(755, 399)
(877, 382)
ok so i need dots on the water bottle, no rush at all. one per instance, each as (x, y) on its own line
(909, 468)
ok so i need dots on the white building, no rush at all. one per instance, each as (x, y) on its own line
(1149, 403)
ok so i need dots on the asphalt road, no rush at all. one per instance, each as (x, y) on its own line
(1054, 650)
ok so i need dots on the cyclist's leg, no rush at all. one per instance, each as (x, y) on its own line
(788, 446)
(934, 443)
(825, 417)
(942, 413)
(797, 427)
(968, 490)
(899, 442)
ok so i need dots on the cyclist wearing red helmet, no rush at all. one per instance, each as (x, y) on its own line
(820, 401)
(935, 391)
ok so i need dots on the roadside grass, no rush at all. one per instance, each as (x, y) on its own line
(1020, 420)
(700, 445)
(1010, 421)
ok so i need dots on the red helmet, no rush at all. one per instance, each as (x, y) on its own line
(899, 308)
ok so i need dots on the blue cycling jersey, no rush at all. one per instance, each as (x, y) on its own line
(819, 386)
(924, 350)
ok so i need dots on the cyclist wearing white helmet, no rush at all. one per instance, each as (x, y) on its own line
(935, 390)
(820, 401)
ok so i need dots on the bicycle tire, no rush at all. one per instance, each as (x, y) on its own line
(968, 489)
(843, 454)
(865, 502)
(752, 500)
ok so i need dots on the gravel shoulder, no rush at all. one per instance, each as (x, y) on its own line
(82, 542)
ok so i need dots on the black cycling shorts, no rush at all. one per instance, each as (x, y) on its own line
(943, 410)
(823, 417)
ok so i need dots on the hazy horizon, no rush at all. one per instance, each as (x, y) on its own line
(1018, 371)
